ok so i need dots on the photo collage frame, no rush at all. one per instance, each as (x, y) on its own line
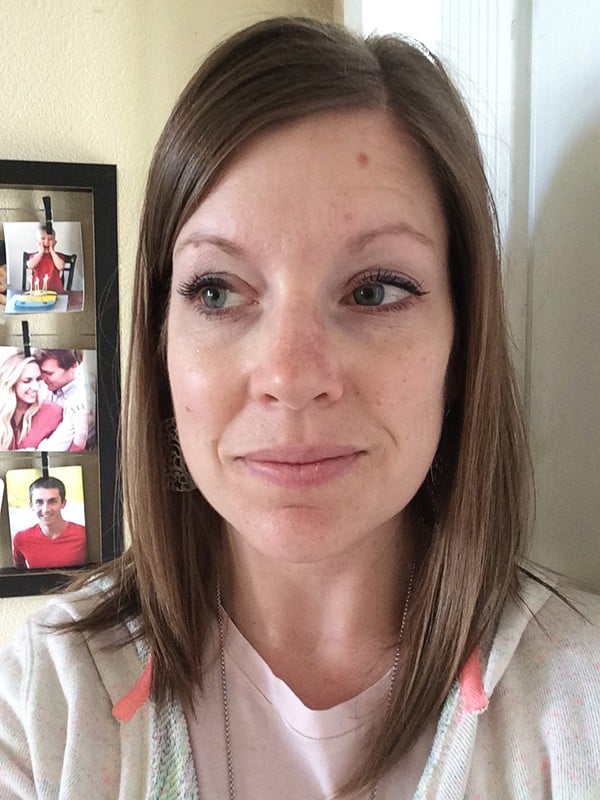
(59, 373)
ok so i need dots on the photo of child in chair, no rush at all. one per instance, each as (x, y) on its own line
(45, 267)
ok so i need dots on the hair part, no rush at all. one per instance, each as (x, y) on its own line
(472, 511)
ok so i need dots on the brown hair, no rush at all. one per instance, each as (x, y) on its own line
(48, 483)
(473, 505)
(64, 358)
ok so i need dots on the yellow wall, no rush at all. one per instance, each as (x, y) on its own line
(93, 81)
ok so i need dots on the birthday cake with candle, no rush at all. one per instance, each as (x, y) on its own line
(37, 298)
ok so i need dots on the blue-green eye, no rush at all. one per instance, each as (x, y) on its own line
(211, 293)
(214, 296)
(383, 288)
(385, 292)
(369, 295)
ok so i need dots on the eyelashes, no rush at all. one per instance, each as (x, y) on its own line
(212, 293)
(191, 288)
(218, 293)
(384, 289)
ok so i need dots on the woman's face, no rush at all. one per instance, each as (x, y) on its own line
(309, 333)
(29, 384)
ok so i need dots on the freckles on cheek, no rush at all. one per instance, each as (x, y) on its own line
(413, 384)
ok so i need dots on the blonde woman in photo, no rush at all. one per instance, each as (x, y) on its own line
(30, 421)
(25, 417)
(325, 471)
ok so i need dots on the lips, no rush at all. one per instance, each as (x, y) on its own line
(302, 466)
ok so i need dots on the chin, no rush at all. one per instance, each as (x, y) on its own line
(304, 535)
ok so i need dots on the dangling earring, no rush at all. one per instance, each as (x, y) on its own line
(177, 474)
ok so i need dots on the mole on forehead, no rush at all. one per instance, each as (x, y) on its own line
(362, 158)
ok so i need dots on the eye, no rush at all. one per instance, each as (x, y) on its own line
(377, 294)
(218, 297)
(383, 288)
(212, 293)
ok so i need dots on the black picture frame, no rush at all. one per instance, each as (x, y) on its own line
(99, 181)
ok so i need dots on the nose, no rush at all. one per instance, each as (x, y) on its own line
(296, 361)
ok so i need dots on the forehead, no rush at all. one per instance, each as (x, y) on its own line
(50, 364)
(39, 495)
(31, 370)
(347, 168)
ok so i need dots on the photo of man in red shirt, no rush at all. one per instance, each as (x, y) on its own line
(53, 541)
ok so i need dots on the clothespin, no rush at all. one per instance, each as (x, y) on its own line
(48, 212)
(26, 340)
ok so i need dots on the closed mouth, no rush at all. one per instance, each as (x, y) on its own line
(302, 467)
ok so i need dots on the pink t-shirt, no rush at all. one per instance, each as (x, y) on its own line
(280, 747)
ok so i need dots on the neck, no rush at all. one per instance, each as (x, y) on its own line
(328, 629)
(53, 530)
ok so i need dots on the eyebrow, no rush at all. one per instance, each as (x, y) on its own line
(355, 245)
(196, 239)
(361, 241)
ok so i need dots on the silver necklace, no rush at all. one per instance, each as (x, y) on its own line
(225, 696)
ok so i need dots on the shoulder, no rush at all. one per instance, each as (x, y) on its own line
(76, 391)
(72, 666)
(566, 627)
(48, 674)
(548, 630)
(25, 532)
(49, 411)
(57, 694)
(46, 418)
(75, 528)
(539, 727)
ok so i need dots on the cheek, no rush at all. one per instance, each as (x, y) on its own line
(411, 377)
(204, 392)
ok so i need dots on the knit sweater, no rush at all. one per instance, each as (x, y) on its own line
(522, 721)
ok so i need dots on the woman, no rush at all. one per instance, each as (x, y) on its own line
(318, 336)
(25, 419)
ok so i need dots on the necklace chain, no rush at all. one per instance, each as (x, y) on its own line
(225, 695)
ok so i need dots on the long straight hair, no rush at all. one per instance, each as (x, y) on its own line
(473, 505)
(11, 371)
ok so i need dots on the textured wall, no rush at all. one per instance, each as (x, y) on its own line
(93, 81)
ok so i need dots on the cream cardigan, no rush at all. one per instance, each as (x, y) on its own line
(523, 721)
